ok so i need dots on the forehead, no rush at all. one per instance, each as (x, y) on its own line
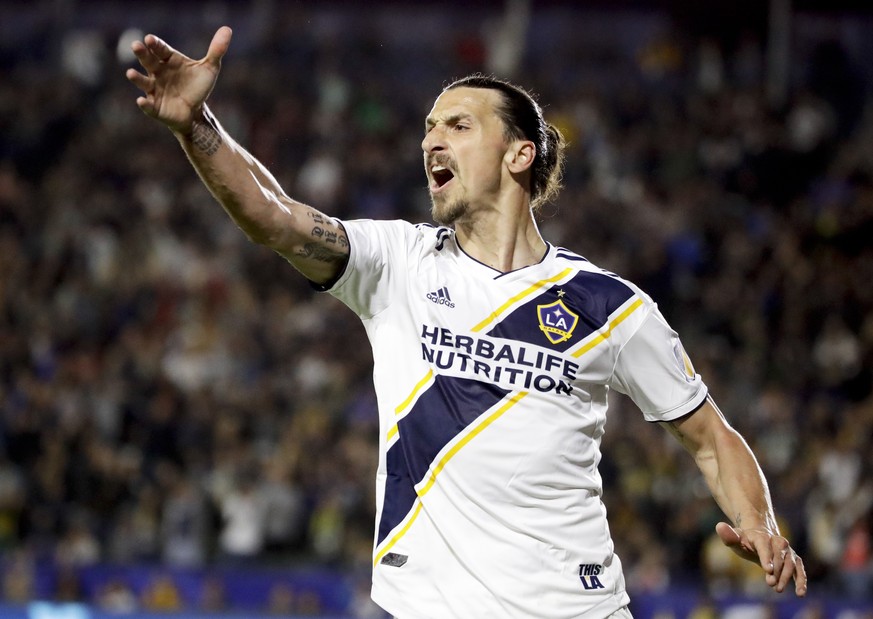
(480, 103)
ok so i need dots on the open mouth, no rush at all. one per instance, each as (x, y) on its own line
(440, 175)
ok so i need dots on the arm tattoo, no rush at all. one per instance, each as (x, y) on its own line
(676, 432)
(322, 249)
(206, 138)
(319, 252)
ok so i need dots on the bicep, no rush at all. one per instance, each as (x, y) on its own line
(703, 430)
(315, 244)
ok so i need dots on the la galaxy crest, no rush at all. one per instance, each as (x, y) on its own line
(557, 321)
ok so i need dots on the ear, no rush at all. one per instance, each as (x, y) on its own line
(520, 156)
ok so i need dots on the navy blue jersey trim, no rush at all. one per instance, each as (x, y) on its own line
(501, 273)
(566, 255)
(441, 413)
(582, 305)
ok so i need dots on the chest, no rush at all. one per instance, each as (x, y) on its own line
(522, 326)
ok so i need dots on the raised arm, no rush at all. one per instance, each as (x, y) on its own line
(739, 488)
(175, 88)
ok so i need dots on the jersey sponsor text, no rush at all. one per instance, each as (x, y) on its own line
(510, 363)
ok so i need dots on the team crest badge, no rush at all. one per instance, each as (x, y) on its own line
(557, 321)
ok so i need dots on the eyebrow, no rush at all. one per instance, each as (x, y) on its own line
(430, 122)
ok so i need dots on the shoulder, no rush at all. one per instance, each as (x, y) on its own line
(386, 242)
(435, 236)
(597, 287)
(398, 228)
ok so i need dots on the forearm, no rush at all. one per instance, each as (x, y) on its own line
(728, 466)
(255, 201)
(238, 181)
(739, 487)
(737, 482)
(175, 88)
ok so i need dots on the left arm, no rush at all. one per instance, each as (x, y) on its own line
(738, 486)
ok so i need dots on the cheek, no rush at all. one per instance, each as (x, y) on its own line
(484, 165)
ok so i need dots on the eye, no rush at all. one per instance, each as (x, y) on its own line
(461, 127)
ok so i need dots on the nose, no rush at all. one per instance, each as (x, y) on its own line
(433, 141)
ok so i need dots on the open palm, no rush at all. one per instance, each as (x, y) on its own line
(176, 86)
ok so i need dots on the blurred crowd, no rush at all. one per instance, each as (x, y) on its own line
(172, 394)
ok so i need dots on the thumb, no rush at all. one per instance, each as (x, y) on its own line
(737, 540)
(219, 45)
(729, 536)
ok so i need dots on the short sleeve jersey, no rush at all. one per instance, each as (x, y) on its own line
(492, 395)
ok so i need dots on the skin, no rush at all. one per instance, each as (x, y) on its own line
(175, 89)
(488, 202)
(738, 486)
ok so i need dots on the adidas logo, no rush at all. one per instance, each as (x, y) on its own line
(441, 297)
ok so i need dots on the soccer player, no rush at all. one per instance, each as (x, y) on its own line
(494, 352)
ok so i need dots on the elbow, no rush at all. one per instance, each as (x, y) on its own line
(264, 229)
(272, 239)
(257, 235)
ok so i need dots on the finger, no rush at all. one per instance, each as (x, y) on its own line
(766, 559)
(143, 82)
(783, 569)
(145, 56)
(219, 45)
(799, 577)
(159, 47)
(146, 105)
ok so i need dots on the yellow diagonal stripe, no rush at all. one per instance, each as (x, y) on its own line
(402, 406)
(469, 437)
(513, 300)
(415, 390)
(399, 534)
(439, 467)
(603, 335)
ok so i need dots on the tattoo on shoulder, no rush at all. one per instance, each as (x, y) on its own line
(206, 138)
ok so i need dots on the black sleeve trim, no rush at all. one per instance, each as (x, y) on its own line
(331, 282)
(684, 415)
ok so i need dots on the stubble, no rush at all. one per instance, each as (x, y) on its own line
(447, 213)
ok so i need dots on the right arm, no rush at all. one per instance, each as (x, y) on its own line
(175, 90)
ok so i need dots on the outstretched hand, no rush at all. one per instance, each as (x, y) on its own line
(176, 86)
(771, 551)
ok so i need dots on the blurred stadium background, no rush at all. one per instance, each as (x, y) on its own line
(186, 428)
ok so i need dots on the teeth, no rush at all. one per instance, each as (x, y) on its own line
(437, 168)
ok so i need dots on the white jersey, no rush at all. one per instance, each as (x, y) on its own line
(492, 392)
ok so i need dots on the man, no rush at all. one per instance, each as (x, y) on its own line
(494, 352)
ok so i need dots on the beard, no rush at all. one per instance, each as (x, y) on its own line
(447, 213)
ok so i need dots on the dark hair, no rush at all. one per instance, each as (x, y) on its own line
(523, 120)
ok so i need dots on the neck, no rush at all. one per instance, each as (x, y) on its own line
(505, 241)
